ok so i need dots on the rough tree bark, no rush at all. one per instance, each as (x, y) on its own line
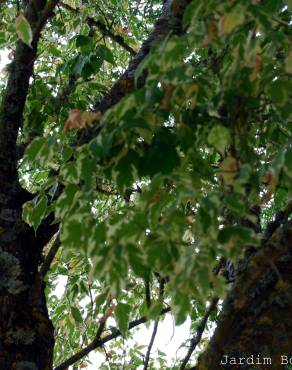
(256, 315)
(26, 332)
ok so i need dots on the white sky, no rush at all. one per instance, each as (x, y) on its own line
(3, 60)
(168, 338)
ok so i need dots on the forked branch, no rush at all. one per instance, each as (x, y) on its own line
(98, 342)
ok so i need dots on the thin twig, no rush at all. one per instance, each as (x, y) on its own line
(98, 342)
(89, 284)
(147, 357)
(147, 293)
(161, 293)
(199, 332)
(107, 357)
(106, 192)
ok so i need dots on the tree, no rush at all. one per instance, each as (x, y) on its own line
(145, 155)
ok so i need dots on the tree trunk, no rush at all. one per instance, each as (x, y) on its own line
(255, 322)
(26, 332)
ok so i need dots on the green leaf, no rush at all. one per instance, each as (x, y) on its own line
(52, 49)
(41, 151)
(33, 213)
(105, 54)
(278, 91)
(80, 63)
(288, 162)
(219, 138)
(65, 201)
(100, 299)
(155, 310)
(76, 315)
(122, 313)
(137, 262)
(69, 174)
(183, 306)
(86, 167)
(235, 203)
(33, 150)
(161, 156)
(92, 66)
(72, 232)
(23, 29)
(126, 169)
(136, 123)
(203, 279)
(237, 236)
(82, 40)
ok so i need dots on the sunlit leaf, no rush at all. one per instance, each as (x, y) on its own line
(23, 29)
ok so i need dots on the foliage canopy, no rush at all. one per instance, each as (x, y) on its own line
(160, 176)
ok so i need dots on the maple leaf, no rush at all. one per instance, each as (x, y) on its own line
(228, 170)
(75, 120)
(168, 92)
(78, 119)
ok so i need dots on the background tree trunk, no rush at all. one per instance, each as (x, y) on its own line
(256, 315)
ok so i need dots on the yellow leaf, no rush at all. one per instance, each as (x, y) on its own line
(91, 117)
(168, 91)
(230, 21)
(288, 62)
(75, 120)
(228, 170)
(212, 32)
(78, 119)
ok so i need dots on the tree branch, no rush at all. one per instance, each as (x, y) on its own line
(50, 257)
(147, 357)
(199, 332)
(97, 342)
(169, 23)
(147, 293)
(161, 293)
(102, 28)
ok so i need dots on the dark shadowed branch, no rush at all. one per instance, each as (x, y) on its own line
(169, 23)
(105, 31)
(161, 293)
(199, 332)
(147, 357)
(147, 293)
(97, 342)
